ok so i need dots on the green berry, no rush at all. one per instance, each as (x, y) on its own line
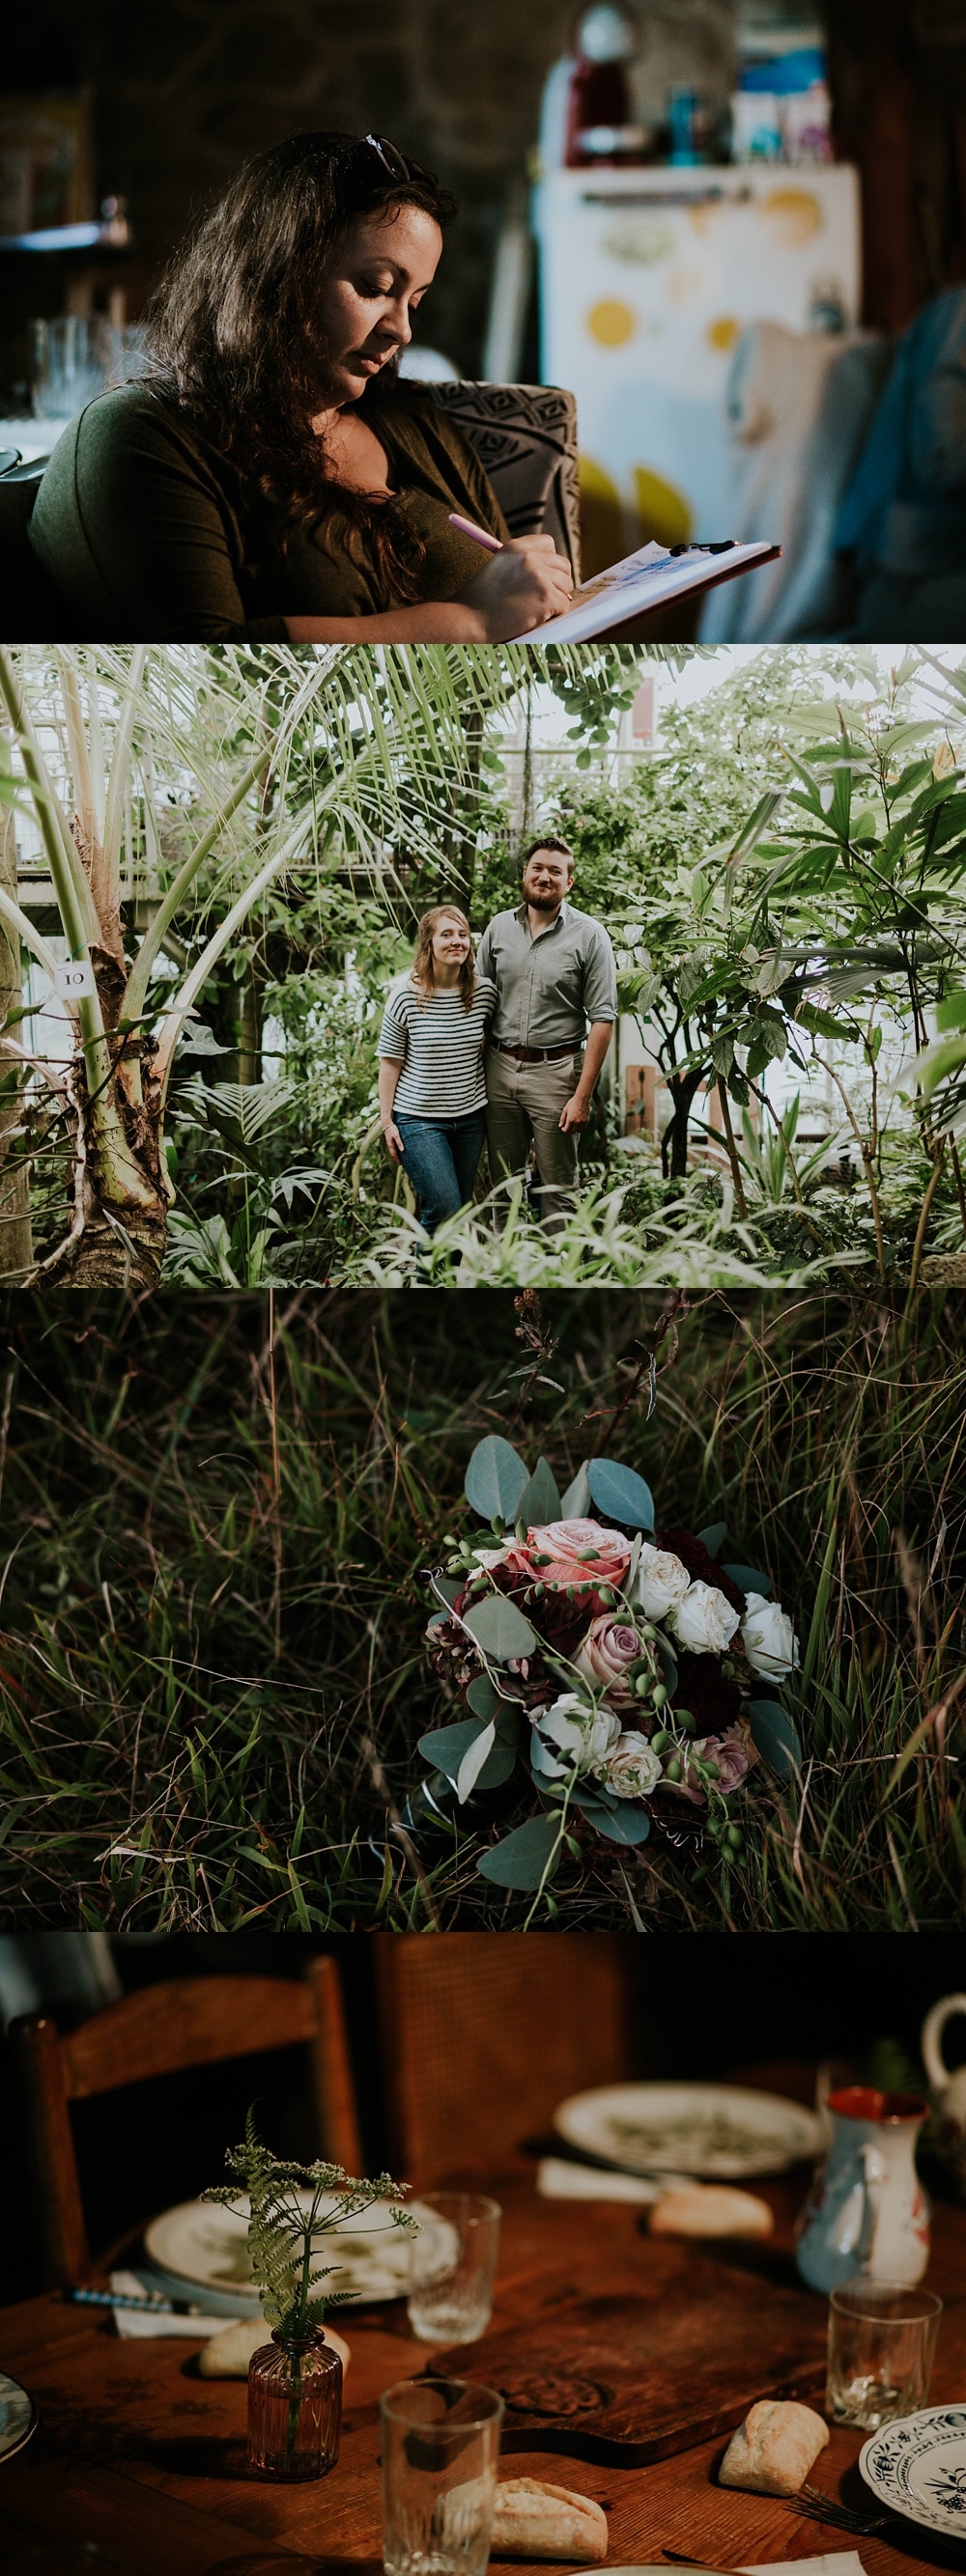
(659, 1696)
(659, 1743)
(672, 1770)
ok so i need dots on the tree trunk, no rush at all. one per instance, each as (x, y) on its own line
(16, 1249)
(121, 1189)
(674, 1142)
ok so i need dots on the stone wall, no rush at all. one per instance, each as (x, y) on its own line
(183, 91)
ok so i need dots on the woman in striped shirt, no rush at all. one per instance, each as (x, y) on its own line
(432, 1094)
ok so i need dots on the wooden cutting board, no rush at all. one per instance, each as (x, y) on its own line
(626, 2380)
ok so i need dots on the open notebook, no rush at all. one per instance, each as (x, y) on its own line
(645, 580)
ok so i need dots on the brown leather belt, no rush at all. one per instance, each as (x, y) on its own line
(537, 1055)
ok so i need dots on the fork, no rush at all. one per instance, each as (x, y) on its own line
(822, 2508)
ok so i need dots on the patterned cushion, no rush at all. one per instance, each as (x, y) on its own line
(526, 439)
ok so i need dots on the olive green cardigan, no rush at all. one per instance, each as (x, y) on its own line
(150, 536)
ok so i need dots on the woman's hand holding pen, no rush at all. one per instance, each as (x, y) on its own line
(519, 588)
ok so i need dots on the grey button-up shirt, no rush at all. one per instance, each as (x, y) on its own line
(548, 987)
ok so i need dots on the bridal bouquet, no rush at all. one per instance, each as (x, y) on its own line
(628, 1670)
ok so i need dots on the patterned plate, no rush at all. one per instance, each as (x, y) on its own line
(917, 2466)
(719, 2132)
(18, 2415)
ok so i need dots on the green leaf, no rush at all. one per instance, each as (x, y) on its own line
(499, 1765)
(775, 1736)
(500, 1628)
(620, 1494)
(746, 1578)
(522, 1859)
(483, 1697)
(495, 1479)
(540, 1499)
(714, 1536)
(951, 1011)
(474, 1758)
(445, 1588)
(447, 1746)
(577, 1499)
(626, 1823)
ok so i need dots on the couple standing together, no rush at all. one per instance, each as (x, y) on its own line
(507, 1045)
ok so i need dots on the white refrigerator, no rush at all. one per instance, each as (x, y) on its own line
(647, 279)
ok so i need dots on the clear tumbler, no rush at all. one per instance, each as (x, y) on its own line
(440, 2452)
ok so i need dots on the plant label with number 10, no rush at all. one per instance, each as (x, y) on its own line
(74, 980)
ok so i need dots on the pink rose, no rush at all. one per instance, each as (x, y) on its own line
(608, 1648)
(579, 1552)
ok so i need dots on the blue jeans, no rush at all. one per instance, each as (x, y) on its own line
(440, 1156)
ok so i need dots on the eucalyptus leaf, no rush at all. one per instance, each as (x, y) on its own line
(540, 1499)
(473, 1761)
(714, 1537)
(495, 1479)
(522, 1859)
(499, 1765)
(446, 1589)
(775, 1736)
(626, 1823)
(447, 1746)
(483, 1697)
(620, 1494)
(577, 1499)
(747, 1580)
(500, 1628)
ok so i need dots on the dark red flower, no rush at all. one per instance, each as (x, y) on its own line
(701, 1567)
(714, 1703)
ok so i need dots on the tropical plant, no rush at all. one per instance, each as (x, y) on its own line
(205, 788)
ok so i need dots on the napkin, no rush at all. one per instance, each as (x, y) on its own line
(136, 2323)
(558, 2180)
(839, 2562)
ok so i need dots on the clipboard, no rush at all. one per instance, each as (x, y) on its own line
(652, 578)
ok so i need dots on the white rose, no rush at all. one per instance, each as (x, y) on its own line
(631, 1768)
(768, 1638)
(572, 1736)
(661, 1581)
(704, 1621)
(488, 1557)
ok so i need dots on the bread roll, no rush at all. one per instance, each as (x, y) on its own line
(711, 2209)
(774, 2448)
(227, 2355)
(533, 2520)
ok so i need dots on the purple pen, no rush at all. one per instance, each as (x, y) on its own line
(480, 536)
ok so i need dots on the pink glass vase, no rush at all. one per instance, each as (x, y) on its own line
(294, 2407)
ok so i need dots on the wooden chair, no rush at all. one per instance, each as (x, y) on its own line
(194, 2021)
(483, 2033)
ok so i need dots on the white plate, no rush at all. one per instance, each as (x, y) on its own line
(719, 2132)
(18, 2415)
(205, 2247)
(917, 2466)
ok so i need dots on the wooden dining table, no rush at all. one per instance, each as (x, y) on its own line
(138, 2454)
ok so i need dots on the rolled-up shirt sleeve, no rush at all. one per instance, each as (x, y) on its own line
(600, 977)
(393, 1036)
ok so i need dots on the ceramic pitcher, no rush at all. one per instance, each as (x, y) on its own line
(949, 2091)
(867, 2214)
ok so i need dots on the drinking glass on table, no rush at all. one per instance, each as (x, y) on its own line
(881, 2349)
(451, 2266)
(440, 2452)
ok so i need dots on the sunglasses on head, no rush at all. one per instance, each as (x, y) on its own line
(393, 161)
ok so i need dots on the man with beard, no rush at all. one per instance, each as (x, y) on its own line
(554, 972)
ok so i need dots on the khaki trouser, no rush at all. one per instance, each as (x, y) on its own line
(523, 1105)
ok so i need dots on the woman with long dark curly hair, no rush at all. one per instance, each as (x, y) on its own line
(270, 477)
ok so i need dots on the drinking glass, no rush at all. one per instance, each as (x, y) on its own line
(452, 2263)
(881, 2349)
(77, 355)
(440, 2451)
